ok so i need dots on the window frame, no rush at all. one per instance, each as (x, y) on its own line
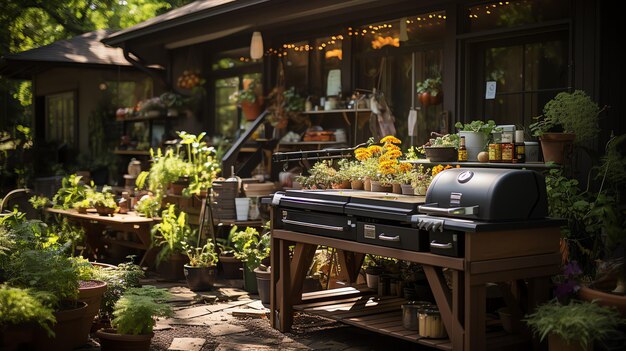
(75, 120)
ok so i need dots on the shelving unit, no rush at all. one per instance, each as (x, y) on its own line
(354, 124)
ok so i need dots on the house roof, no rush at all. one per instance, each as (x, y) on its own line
(83, 49)
(194, 11)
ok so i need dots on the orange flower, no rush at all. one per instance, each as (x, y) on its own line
(405, 167)
(375, 149)
(392, 147)
(393, 154)
(390, 139)
(362, 154)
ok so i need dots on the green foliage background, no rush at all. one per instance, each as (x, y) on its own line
(28, 24)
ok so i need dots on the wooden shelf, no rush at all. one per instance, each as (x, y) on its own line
(132, 152)
(360, 308)
(528, 165)
(345, 110)
(146, 118)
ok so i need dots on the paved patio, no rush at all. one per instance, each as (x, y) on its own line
(227, 318)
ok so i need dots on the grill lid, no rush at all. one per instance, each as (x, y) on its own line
(487, 194)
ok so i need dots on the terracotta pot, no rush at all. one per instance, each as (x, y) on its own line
(367, 184)
(557, 147)
(424, 99)
(69, 322)
(356, 184)
(90, 292)
(396, 188)
(112, 341)
(343, 185)
(178, 186)
(556, 343)
(200, 278)
(604, 298)
(17, 337)
(435, 99)
(251, 110)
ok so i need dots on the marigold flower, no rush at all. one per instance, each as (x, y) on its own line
(405, 167)
(390, 139)
(375, 149)
(393, 153)
(392, 147)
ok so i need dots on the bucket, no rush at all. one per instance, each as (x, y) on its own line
(410, 312)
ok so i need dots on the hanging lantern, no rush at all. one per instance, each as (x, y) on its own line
(256, 46)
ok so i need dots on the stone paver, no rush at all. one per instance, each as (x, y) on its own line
(225, 329)
(187, 344)
(192, 312)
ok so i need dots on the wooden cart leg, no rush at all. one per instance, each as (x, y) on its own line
(284, 298)
(274, 278)
(444, 299)
(302, 258)
(475, 315)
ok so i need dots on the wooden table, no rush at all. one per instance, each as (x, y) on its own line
(95, 224)
(521, 261)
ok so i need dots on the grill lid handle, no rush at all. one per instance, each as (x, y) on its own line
(455, 211)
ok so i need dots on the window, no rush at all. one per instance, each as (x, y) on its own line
(528, 72)
(128, 93)
(61, 120)
(232, 71)
(393, 66)
(510, 14)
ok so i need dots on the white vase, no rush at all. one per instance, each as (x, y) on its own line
(475, 142)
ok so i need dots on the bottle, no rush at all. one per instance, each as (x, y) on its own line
(124, 203)
(495, 152)
(462, 150)
(519, 155)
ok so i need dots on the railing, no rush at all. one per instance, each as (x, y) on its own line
(244, 169)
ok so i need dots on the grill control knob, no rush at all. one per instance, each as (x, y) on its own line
(464, 177)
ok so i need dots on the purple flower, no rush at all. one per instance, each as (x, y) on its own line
(572, 270)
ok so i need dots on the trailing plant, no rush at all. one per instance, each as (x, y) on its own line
(171, 234)
(571, 113)
(21, 306)
(577, 322)
(134, 313)
(429, 85)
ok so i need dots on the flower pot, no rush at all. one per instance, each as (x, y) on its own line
(556, 343)
(112, 341)
(407, 189)
(343, 185)
(435, 99)
(263, 284)
(231, 267)
(557, 147)
(475, 142)
(396, 188)
(90, 292)
(441, 154)
(172, 268)
(177, 187)
(424, 99)
(604, 298)
(356, 184)
(367, 184)
(17, 337)
(200, 278)
(67, 337)
(378, 187)
(372, 275)
(105, 211)
(249, 280)
(251, 110)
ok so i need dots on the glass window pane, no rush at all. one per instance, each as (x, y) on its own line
(232, 58)
(507, 14)
(546, 65)
(61, 119)
(296, 64)
(226, 114)
(504, 66)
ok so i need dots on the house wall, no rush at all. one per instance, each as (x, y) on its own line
(85, 82)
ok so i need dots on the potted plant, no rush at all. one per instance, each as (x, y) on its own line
(134, 319)
(249, 100)
(48, 271)
(567, 117)
(201, 271)
(72, 190)
(441, 148)
(477, 136)
(231, 265)
(170, 236)
(167, 168)
(148, 206)
(90, 291)
(251, 248)
(575, 326)
(172, 102)
(429, 91)
(103, 201)
(203, 164)
(20, 309)
(152, 107)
